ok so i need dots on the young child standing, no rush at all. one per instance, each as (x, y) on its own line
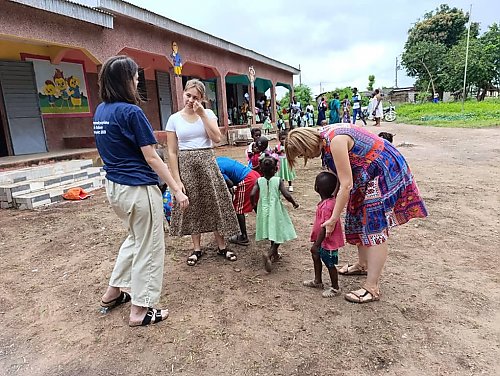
(267, 126)
(261, 145)
(273, 222)
(280, 124)
(284, 172)
(255, 133)
(325, 248)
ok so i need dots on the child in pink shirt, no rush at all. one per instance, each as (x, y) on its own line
(325, 248)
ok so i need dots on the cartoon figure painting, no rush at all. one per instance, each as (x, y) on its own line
(176, 59)
(51, 92)
(74, 90)
(61, 87)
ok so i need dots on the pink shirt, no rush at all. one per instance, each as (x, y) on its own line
(323, 212)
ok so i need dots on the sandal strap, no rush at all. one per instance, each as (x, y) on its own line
(148, 317)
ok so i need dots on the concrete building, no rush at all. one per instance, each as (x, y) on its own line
(51, 52)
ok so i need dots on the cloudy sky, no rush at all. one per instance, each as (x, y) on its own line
(336, 43)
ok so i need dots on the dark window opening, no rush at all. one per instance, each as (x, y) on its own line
(141, 87)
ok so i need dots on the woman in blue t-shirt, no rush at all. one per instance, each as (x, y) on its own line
(125, 141)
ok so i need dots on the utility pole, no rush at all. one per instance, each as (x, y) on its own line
(320, 88)
(300, 76)
(466, 56)
(397, 68)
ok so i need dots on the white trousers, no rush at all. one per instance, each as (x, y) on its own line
(139, 265)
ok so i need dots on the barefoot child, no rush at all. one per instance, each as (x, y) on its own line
(284, 172)
(273, 222)
(325, 248)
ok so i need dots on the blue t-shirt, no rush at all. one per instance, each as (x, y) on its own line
(232, 170)
(120, 130)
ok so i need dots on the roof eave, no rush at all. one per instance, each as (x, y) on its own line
(123, 8)
(73, 10)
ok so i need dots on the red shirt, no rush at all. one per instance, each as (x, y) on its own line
(323, 212)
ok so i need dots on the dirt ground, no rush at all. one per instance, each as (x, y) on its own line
(439, 313)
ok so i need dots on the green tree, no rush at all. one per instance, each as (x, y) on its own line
(428, 42)
(425, 60)
(303, 93)
(444, 25)
(491, 47)
(371, 82)
(480, 67)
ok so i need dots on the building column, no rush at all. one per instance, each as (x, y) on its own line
(273, 103)
(177, 90)
(222, 102)
(251, 92)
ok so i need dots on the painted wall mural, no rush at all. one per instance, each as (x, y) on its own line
(176, 59)
(61, 88)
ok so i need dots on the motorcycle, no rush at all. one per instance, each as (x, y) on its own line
(390, 113)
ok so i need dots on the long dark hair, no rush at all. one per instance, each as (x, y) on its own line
(116, 80)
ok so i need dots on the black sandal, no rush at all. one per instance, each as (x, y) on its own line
(194, 258)
(153, 316)
(227, 254)
(124, 297)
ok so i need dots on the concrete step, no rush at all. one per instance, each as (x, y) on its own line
(49, 196)
(38, 172)
(9, 191)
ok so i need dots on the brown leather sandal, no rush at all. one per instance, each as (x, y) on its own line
(362, 296)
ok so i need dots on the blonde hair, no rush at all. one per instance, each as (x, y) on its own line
(198, 85)
(302, 142)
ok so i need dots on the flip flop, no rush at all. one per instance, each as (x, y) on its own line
(124, 297)
(235, 239)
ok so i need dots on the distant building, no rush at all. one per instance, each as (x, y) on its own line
(401, 94)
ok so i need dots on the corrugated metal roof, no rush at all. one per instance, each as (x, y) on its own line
(126, 9)
(71, 9)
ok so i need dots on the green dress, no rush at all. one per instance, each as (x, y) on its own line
(273, 221)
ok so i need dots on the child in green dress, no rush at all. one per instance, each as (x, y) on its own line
(273, 222)
(284, 171)
(267, 126)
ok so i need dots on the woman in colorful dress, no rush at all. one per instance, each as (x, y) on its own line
(376, 187)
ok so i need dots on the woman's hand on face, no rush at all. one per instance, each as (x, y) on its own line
(198, 108)
(182, 199)
(329, 226)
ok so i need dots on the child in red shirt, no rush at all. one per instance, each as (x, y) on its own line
(325, 248)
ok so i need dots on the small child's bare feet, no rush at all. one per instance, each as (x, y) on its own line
(267, 262)
(276, 257)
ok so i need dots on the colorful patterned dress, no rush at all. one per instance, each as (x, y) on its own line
(384, 192)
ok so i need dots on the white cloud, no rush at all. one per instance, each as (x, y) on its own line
(336, 43)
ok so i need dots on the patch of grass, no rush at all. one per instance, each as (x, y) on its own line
(475, 114)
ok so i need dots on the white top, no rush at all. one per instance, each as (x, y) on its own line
(356, 104)
(190, 135)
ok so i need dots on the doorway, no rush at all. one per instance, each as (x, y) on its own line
(164, 96)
